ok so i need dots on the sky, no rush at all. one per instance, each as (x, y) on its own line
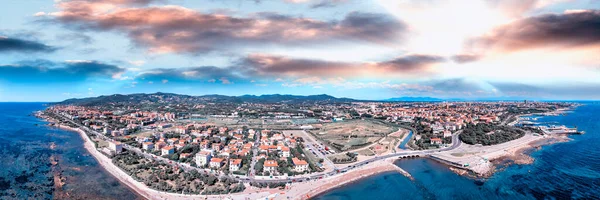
(51, 50)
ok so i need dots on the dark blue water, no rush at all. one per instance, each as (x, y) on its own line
(26, 171)
(561, 171)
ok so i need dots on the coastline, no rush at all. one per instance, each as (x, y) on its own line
(309, 190)
(305, 190)
(298, 190)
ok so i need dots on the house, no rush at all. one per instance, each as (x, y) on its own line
(285, 152)
(216, 162)
(216, 146)
(116, 147)
(172, 141)
(436, 141)
(235, 164)
(159, 145)
(202, 158)
(270, 166)
(184, 155)
(148, 146)
(181, 130)
(447, 133)
(168, 150)
(300, 165)
(263, 148)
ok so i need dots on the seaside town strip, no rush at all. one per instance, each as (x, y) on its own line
(212, 148)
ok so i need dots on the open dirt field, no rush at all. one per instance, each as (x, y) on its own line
(355, 128)
(352, 134)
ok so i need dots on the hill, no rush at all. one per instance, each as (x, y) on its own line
(163, 98)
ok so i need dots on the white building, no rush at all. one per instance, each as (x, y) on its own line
(235, 164)
(168, 150)
(270, 166)
(116, 147)
(148, 146)
(285, 152)
(216, 163)
(202, 158)
(300, 165)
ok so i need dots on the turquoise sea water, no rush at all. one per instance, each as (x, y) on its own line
(25, 168)
(561, 171)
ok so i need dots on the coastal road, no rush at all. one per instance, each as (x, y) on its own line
(315, 176)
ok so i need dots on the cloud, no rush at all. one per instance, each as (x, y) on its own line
(75, 37)
(465, 58)
(516, 8)
(137, 62)
(328, 3)
(225, 81)
(411, 63)
(168, 29)
(19, 45)
(209, 73)
(571, 29)
(272, 65)
(50, 72)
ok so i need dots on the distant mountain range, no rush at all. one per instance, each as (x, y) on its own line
(178, 98)
(160, 97)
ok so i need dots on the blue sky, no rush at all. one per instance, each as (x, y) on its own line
(368, 49)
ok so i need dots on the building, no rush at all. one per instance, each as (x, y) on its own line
(285, 152)
(270, 166)
(159, 145)
(202, 158)
(216, 162)
(300, 165)
(436, 141)
(447, 133)
(235, 164)
(148, 146)
(116, 147)
(168, 150)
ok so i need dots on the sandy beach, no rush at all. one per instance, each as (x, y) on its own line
(310, 189)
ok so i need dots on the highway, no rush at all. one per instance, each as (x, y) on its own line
(186, 167)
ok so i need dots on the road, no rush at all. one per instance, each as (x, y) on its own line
(314, 176)
(312, 143)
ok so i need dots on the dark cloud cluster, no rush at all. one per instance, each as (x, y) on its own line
(285, 66)
(20, 45)
(465, 58)
(412, 62)
(571, 29)
(178, 29)
(43, 71)
(202, 73)
(327, 3)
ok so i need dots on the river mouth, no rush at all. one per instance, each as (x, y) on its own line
(406, 140)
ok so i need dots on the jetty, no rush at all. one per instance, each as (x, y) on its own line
(403, 172)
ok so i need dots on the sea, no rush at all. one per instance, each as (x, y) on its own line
(569, 170)
(35, 158)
